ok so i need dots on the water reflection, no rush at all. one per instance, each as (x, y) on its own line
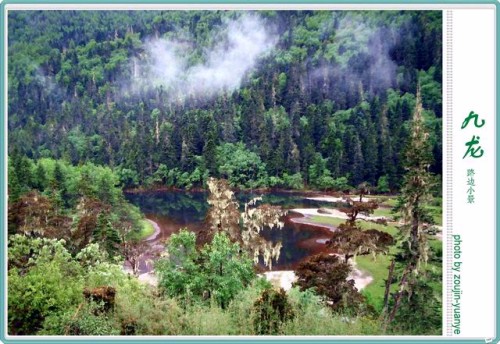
(173, 210)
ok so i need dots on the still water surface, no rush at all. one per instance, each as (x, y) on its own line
(173, 210)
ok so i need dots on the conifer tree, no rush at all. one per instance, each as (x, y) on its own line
(40, 177)
(415, 195)
(106, 235)
(416, 190)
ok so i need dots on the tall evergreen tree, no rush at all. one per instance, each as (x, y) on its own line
(415, 195)
(107, 236)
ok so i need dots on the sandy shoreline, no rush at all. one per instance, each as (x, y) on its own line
(306, 220)
(156, 232)
(285, 278)
(307, 212)
(332, 199)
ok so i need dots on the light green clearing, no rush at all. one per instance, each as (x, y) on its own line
(145, 230)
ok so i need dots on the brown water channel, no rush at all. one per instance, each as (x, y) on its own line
(173, 210)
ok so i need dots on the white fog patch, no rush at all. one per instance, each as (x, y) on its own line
(355, 37)
(239, 45)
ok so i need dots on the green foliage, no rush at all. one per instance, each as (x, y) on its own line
(128, 178)
(35, 279)
(46, 282)
(217, 272)
(240, 166)
(383, 184)
(77, 203)
(225, 268)
(328, 107)
(179, 272)
(293, 181)
(144, 231)
(272, 310)
(35, 289)
(106, 235)
(341, 184)
(87, 321)
(20, 175)
(416, 191)
(424, 307)
(412, 274)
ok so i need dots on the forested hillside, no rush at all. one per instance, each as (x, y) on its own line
(265, 99)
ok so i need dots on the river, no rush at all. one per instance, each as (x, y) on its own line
(173, 210)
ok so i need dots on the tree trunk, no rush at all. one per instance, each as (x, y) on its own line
(388, 286)
(402, 285)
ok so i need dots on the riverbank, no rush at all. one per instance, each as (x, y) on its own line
(306, 220)
(285, 279)
(332, 213)
(157, 230)
(148, 229)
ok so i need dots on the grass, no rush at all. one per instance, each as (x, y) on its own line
(391, 229)
(384, 211)
(378, 269)
(326, 220)
(145, 230)
(389, 202)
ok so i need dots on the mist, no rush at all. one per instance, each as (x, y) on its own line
(238, 46)
(369, 45)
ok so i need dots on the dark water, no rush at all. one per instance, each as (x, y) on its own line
(173, 210)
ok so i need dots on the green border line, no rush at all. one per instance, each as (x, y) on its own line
(189, 340)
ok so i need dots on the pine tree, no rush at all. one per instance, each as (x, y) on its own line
(106, 235)
(416, 190)
(20, 175)
(15, 189)
(209, 149)
(40, 177)
(415, 195)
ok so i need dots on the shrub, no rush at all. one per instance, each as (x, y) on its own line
(272, 310)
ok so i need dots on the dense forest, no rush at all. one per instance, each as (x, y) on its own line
(343, 107)
(286, 99)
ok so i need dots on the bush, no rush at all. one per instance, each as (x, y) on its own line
(293, 181)
(36, 291)
(242, 306)
(218, 272)
(383, 184)
(212, 320)
(272, 310)
(88, 320)
(141, 312)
